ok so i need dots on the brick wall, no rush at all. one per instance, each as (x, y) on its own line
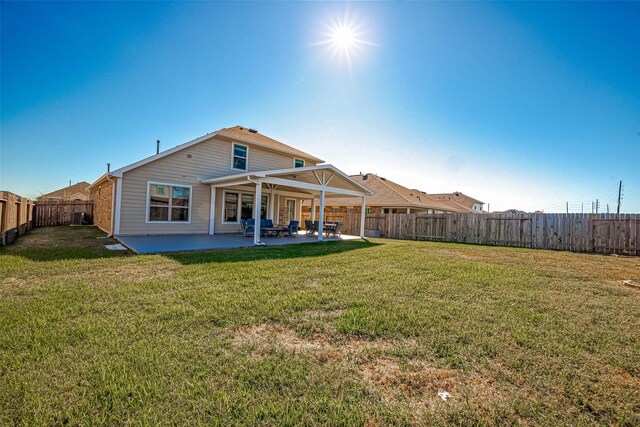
(102, 206)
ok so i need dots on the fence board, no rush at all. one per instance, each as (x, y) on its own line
(600, 233)
(48, 214)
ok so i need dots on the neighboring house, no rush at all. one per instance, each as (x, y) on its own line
(72, 192)
(208, 185)
(389, 197)
(461, 199)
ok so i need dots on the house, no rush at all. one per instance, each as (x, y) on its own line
(208, 185)
(389, 197)
(461, 199)
(75, 192)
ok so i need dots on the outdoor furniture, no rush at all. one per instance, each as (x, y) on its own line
(335, 230)
(311, 227)
(248, 226)
(271, 231)
(332, 228)
(292, 228)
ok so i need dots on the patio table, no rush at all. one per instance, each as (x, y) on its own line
(330, 227)
(271, 231)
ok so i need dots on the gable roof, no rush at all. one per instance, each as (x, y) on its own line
(458, 197)
(251, 136)
(389, 193)
(80, 187)
(236, 133)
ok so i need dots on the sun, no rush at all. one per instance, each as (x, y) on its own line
(344, 39)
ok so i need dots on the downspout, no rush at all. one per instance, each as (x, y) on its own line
(113, 202)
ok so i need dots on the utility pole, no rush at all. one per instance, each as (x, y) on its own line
(582, 208)
(607, 207)
(619, 195)
(597, 205)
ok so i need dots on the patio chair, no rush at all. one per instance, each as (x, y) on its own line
(310, 227)
(248, 226)
(293, 227)
(335, 231)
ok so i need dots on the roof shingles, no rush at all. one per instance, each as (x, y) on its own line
(250, 136)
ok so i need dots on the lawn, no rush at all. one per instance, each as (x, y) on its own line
(334, 333)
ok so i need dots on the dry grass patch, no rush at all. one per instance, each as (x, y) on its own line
(418, 383)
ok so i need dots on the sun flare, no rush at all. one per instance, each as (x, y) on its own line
(344, 39)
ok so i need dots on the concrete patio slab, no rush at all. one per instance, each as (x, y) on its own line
(195, 242)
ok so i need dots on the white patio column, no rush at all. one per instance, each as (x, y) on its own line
(362, 214)
(313, 209)
(256, 212)
(271, 203)
(408, 210)
(321, 219)
(212, 210)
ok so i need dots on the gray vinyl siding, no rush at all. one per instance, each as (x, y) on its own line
(209, 159)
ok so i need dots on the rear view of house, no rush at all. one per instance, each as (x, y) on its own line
(208, 185)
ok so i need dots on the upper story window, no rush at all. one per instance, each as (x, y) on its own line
(298, 163)
(168, 203)
(240, 157)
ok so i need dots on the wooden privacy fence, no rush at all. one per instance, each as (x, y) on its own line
(15, 216)
(603, 233)
(47, 214)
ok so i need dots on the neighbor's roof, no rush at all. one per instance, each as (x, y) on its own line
(457, 197)
(80, 187)
(237, 133)
(391, 194)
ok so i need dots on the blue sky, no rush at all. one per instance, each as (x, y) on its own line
(522, 105)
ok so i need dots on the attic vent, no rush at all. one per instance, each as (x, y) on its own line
(366, 177)
(253, 131)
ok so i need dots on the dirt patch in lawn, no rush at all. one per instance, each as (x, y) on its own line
(414, 383)
(417, 383)
(264, 339)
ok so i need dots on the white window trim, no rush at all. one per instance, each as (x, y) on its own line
(304, 162)
(239, 207)
(149, 184)
(233, 149)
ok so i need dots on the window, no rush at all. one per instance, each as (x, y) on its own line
(291, 209)
(297, 163)
(239, 161)
(246, 209)
(240, 205)
(367, 210)
(231, 207)
(168, 203)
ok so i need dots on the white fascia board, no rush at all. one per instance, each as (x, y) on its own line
(102, 178)
(276, 172)
(308, 186)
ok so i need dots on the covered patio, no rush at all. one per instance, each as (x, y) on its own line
(312, 183)
(195, 242)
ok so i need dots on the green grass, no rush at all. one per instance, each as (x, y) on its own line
(334, 333)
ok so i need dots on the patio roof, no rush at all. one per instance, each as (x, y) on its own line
(311, 180)
(306, 182)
